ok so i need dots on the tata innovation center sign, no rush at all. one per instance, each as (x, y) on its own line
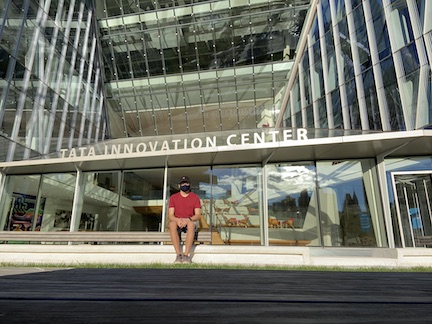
(164, 144)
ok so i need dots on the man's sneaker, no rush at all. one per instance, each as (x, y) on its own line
(178, 259)
(186, 259)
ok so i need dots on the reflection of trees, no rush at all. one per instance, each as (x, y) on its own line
(289, 204)
(351, 224)
(303, 202)
(349, 220)
(297, 208)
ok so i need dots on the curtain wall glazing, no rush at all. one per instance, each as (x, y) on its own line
(365, 65)
(51, 94)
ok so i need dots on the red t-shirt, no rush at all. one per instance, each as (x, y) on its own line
(184, 207)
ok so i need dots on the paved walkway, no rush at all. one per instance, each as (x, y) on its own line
(37, 295)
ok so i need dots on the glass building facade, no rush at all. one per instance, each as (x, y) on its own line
(299, 122)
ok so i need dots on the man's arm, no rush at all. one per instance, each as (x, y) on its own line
(197, 215)
(171, 215)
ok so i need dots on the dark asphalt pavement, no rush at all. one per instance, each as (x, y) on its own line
(212, 296)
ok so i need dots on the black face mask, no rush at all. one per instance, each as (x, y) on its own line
(184, 188)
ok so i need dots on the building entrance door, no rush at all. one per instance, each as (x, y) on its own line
(413, 206)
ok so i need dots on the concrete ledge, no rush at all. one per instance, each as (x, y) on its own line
(414, 257)
(354, 262)
(146, 254)
(251, 255)
(124, 254)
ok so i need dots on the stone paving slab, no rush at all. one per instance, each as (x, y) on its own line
(38, 295)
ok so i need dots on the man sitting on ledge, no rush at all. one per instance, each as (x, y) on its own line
(184, 211)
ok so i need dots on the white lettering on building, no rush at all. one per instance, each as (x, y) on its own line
(267, 136)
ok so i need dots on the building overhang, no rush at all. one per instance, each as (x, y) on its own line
(387, 144)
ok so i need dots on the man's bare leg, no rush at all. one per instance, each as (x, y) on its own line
(175, 239)
(190, 236)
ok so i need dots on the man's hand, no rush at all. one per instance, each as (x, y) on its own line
(182, 222)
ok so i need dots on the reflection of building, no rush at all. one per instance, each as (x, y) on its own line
(103, 107)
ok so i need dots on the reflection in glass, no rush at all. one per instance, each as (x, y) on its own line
(292, 204)
(413, 206)
(18, 203)
(99, 210)
(417, 164)
(143, 196)
(59, 192)
(237, 204)
(346, 194)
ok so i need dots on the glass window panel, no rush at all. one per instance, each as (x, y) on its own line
(371, 98)
(248, 116)
(288, 122)
(261, 89)
(309, 116)
(345, 197)
(353, 108)
(381, 30)
(340, 9)
(132, 124)
(100, 202)
(425, 11)
(176, 98)
(410, 59)
(205, 54)
(188, 53)
(195, 119)
(316, 48)
(397, 121)
(25, 120)
(9, 115)
(322, 112)
(307, 87)
(296, 96)
(403, 164)
(9, 43)
(18, 75)
(230, 117)
(400, 25)
(314, 32)
(326, 14)
(59, 191)
(237, 204)
(193, 96)
(212, 120)
(298, 119)
(355, 3)
(292, 204)
(159, 99)
(337, 109)
(18, 203)
(210, 95)
(346, 50)
(143, 196)
(163, 123)
(245, 92)
(333, 80)
(410, 85)
(362, 38)
(318, 79)
(388, 71)
(368, 80)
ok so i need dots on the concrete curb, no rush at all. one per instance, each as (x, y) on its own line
(41, 254)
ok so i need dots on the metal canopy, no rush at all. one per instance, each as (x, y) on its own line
(395, 144)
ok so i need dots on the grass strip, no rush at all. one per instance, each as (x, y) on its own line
(218, 267)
